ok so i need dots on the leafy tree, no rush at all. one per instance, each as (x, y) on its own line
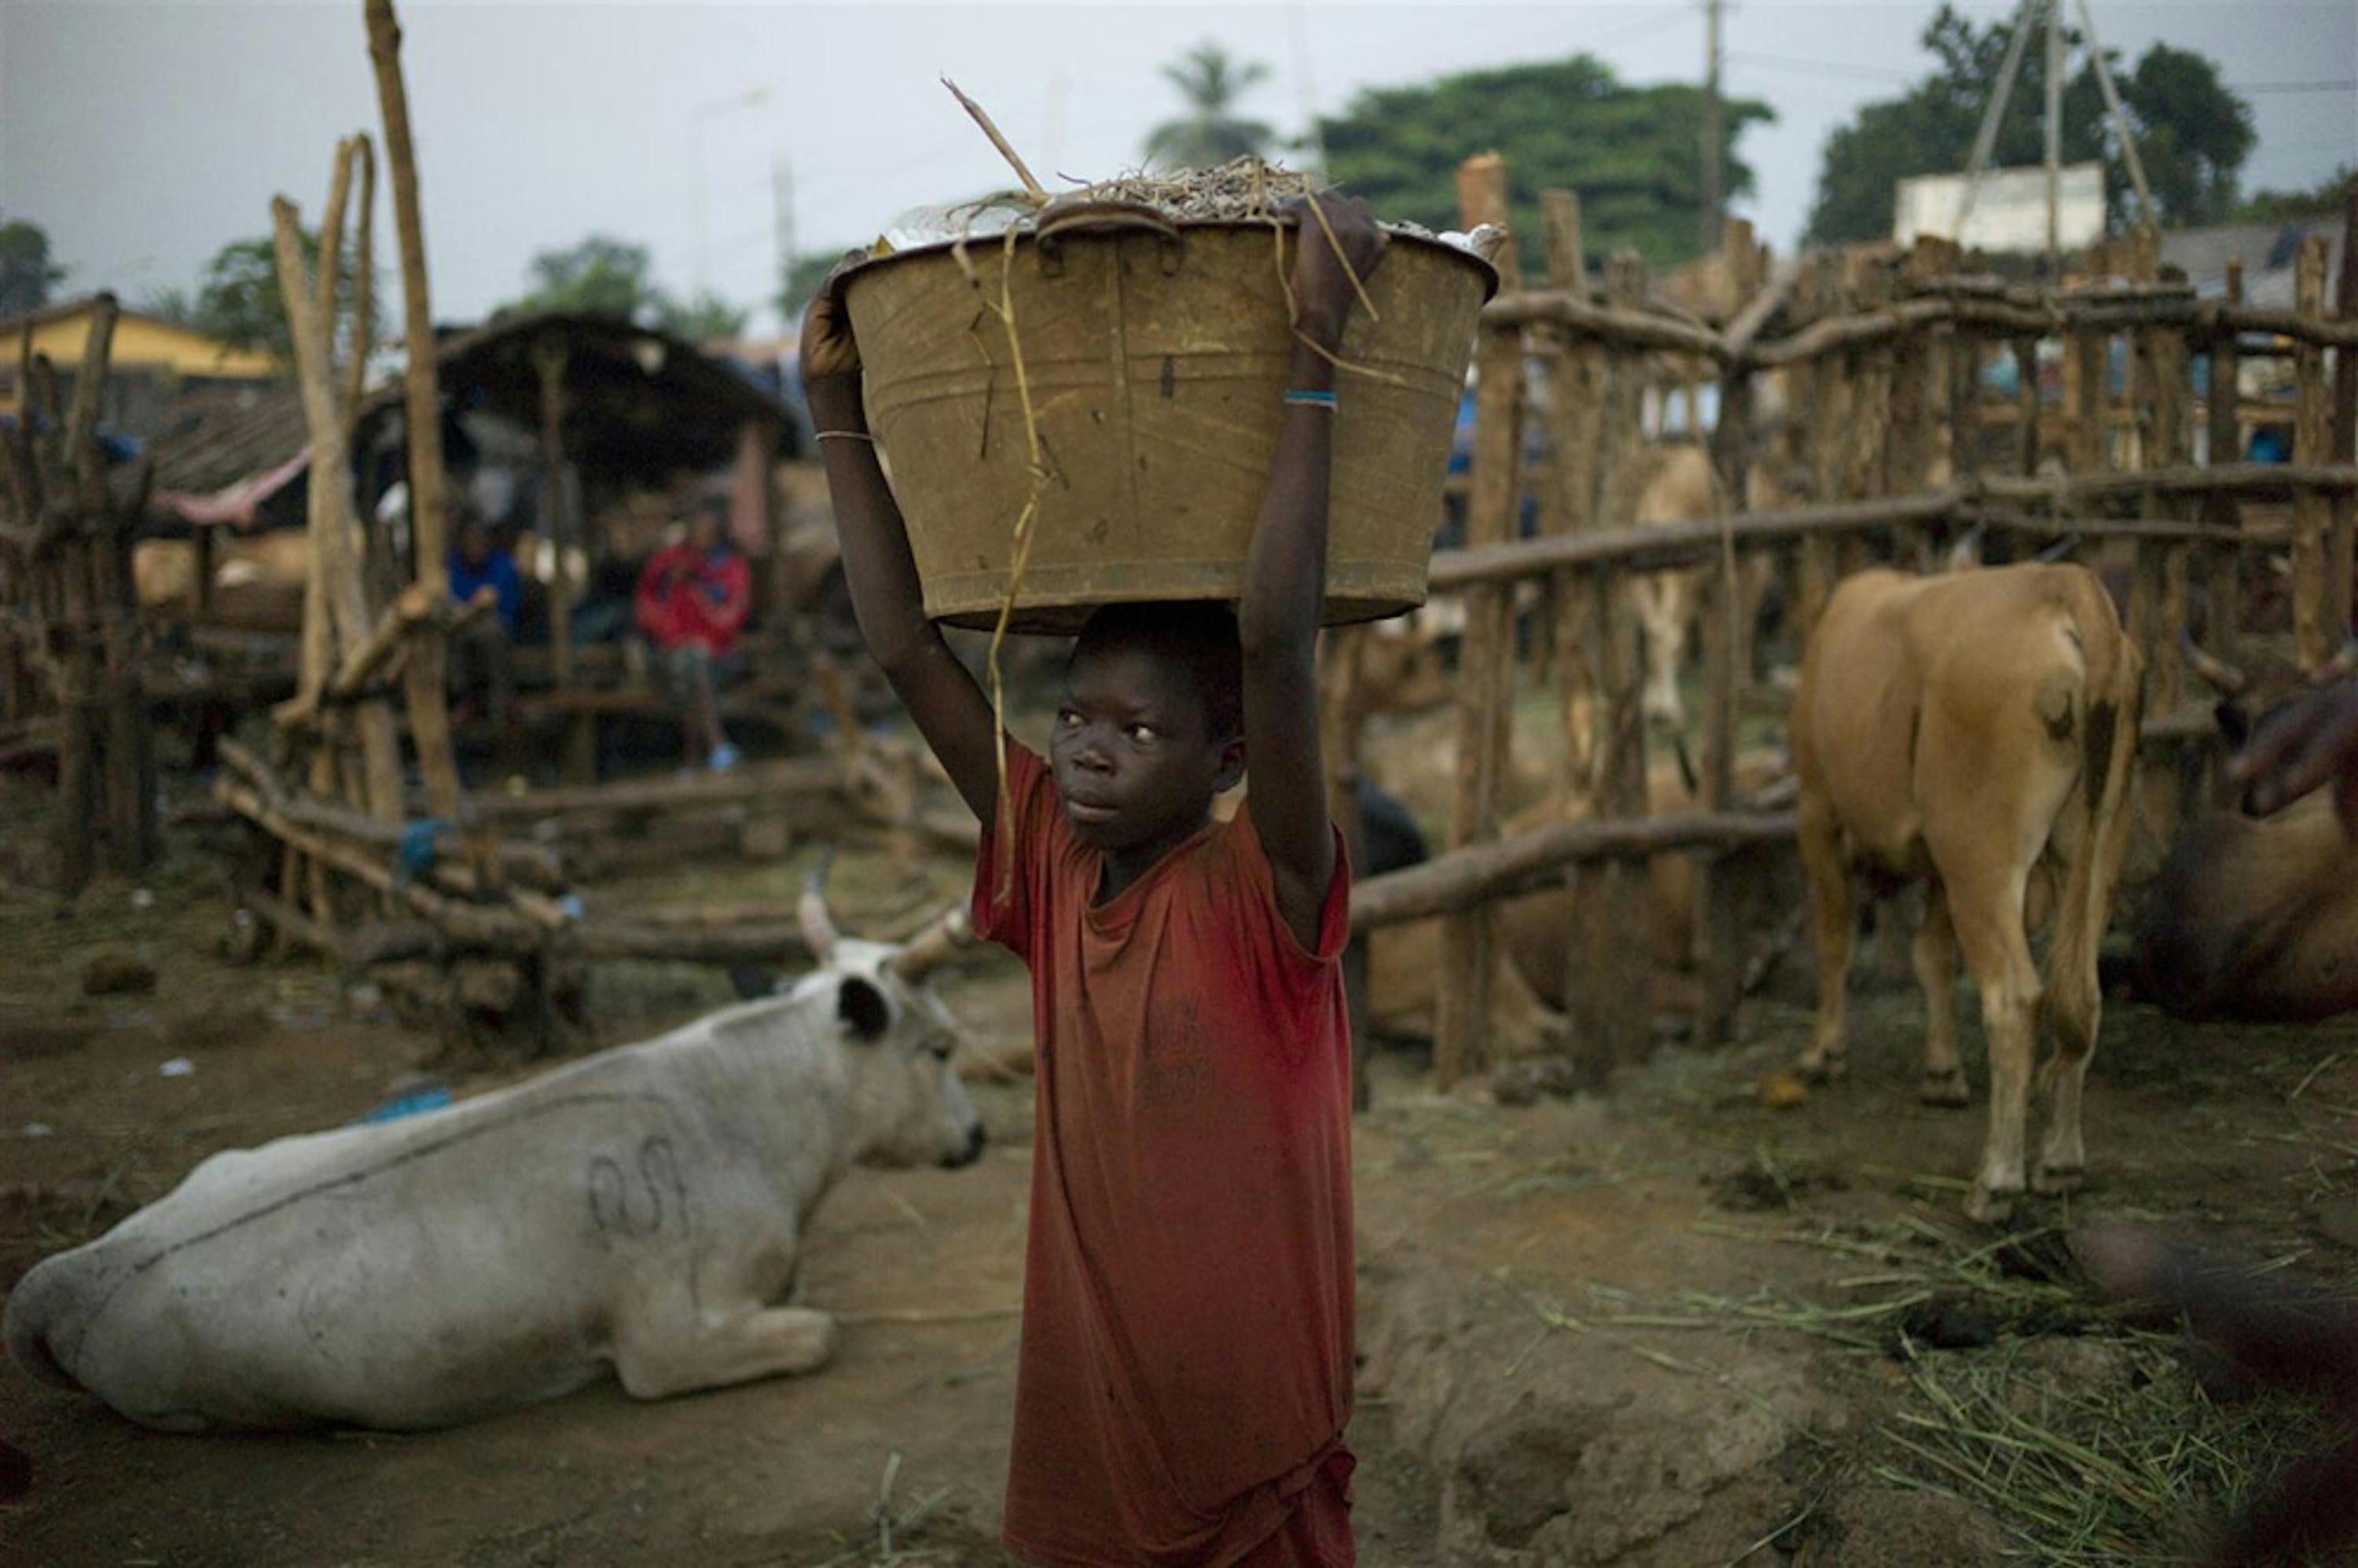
(2330, 197)
(238, 299)
(2192, 133)
(25, 270)
(602, 276)
(176, 305)
(1632, 153)
(1211, 132)
(598, 276)
(706, 317)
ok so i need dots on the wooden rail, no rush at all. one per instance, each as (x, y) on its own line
(1879, 363)
(1624, 327)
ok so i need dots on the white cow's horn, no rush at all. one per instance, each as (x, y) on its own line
(2342, 663)
(819, 934)
(2229, 680)
(942, 939)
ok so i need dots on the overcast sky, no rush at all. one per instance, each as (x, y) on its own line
(145, 136)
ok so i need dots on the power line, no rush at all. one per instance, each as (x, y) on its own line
(1646, 27)
(1818, 67)
(2292, 87)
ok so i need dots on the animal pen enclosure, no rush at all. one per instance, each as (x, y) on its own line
(1880, 359)
(70, 656)
(367, 869)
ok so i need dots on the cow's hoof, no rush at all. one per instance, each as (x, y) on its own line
(2054, 1181)
(1945, 1088)
(1817, 1069)
(1991, 1206)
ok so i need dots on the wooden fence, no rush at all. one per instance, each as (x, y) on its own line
(1899, 450)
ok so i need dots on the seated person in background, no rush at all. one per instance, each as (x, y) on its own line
(483, 655)
(691, 601)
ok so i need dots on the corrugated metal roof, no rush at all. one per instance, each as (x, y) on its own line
(2267, 250)
(636, 398)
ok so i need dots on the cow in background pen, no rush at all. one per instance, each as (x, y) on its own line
(2257, 917)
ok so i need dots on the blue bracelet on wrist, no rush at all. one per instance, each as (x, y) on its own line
(1309, 399)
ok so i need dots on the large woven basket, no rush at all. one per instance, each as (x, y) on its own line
(1155, 355)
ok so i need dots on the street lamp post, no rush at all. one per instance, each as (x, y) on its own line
(752, 98)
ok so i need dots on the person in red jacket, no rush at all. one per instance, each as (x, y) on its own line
(691, 602)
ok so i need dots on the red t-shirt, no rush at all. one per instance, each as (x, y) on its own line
(1186, 1358)
(684, 595)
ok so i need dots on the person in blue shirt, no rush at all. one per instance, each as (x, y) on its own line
(483, 656)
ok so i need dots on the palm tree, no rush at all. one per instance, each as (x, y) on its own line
(1210, 135)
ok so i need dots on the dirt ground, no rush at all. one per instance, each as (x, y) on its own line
(1672, 1326)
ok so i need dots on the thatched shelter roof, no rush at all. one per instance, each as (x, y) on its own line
(638, 402)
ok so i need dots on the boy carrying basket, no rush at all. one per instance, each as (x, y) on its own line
(1185, 1374)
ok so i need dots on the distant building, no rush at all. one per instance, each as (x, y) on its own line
(153, 363)
(2010, 213)
(2267, 250)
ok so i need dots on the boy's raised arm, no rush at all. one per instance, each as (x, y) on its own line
(1285, 575)
(950, 709)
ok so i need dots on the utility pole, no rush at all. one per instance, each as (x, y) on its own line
(781, 199)
(752, 97)
(2054, 138)
(1715, 130)
(1298, 37)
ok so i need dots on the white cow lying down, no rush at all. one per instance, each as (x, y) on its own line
(642, 1207)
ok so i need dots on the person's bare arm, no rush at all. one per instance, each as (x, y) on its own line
(950, 709)
(1285, 578)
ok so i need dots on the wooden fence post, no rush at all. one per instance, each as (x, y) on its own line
(1463, 1001)
(1616, 1006)
(2028, 401)
(1918, 363)
(2156, 393)
(2317, 631)
(2223, 620)
(333, 525)
(2341, 535)
(558, 526)
(2087, 373)
(1573, 410)
(1867, 285)
(424, 674)
(1716, 938)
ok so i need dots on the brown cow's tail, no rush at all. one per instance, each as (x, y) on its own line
(2113, 708)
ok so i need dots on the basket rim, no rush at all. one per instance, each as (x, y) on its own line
(859, 269)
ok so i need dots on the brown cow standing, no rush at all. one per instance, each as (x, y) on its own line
(1975, 730)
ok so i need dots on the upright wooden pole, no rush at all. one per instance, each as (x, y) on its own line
(2341, 533)
(1726, 647)
(2157, 394)
(548, 358)
(423, 678)
(2028, 402)
(2223, 626)
(76, 486)
(333, 525)
(1813, 437)
(2317, 631)
(1616, 1009)
(1463, 1001)
(1573, 474)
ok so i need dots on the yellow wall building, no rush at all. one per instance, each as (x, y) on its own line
(146, 348)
